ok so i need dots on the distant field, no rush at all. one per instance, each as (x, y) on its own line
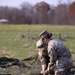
(20, 40)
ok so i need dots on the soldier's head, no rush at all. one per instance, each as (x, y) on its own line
(41, 45)
(45, 35)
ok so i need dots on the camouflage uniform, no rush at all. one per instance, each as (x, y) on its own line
(44, 59)
(60, 56)
(42, 55)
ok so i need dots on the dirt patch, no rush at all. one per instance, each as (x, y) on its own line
(6, 62)
(26, 46)
(13, 66)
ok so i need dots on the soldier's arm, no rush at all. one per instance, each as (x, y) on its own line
(52, 54)
(42, 60)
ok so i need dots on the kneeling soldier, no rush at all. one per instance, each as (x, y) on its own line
(59, 54)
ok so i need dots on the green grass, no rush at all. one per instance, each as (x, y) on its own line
(11, 42)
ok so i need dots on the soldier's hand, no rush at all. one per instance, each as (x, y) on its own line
(46, 72)
(41, 72)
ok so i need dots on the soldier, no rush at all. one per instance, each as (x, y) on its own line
(59, 54)
(43, 55)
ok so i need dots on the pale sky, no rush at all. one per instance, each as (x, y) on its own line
(17, 3)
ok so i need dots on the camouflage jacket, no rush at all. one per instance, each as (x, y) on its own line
(59, 54)
(43, 57)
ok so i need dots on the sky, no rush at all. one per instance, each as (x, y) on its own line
(17, 3)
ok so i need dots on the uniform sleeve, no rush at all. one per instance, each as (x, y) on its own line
(43, 60)
(52, 54)
(41, 56)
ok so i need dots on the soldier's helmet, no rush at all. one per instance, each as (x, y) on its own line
(40, 45)
(45, 34)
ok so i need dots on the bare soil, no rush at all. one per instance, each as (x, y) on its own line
(17, 67)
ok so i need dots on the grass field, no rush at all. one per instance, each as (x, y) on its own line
(20, 40)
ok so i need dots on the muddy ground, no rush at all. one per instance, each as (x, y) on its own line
(17, 67)
(14, 70)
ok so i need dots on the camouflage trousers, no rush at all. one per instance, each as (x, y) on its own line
(61, 71)
(64, 70)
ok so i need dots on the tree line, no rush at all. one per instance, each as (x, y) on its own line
(40, 13)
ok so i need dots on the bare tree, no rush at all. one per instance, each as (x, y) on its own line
(61, 14)
(72, 13)
(41, 9)
(26, 10)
